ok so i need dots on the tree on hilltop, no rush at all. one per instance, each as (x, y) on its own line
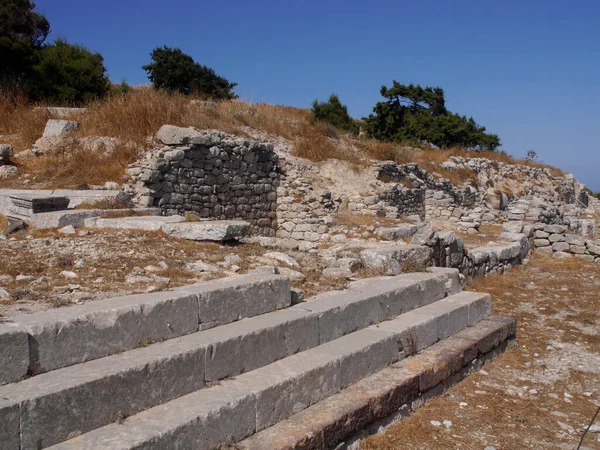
(419, 114)
(175, 71)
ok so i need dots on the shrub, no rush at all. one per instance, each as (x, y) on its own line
(67, 74)
(173, 70)
(334, 113)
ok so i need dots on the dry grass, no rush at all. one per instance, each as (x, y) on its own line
(106, 203)
(136, 116)
(3, 222)
(354, 220)
(75, 167)
(555, 303)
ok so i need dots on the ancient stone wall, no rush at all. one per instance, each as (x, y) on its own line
(212, 174)
(561, 242)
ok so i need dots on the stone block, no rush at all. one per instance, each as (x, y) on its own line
(67, 336)
(394, 233)
(14, 353)
(556, 238)
(555, 229)
(230, 299)
(6, 151)
(361, 353)
(562, 255)
(57, 404)
(541, 242)
(261, 340)
(55, 127)
(544, 251)
(539, 234)
(10, 431)
(172, 135)
(573, 239)
(394, 259)
(210, 230)
(560, 246)
(146, 223)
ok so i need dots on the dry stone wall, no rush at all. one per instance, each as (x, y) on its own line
(212, 174)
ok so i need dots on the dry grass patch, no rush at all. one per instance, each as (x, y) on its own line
(3, 222)
(353, 220)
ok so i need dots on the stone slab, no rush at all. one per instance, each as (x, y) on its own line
(66, 336)
(210, 230)
(10, 432)
(371, 301)
(29, 204)
(76, 217)
(230, 299)
(261, 340)
(403, 230)
(58, 127)
(14, 353)
(78, 399)
(146, 223)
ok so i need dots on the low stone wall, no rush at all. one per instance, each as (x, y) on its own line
(561, 242)
(213, 174)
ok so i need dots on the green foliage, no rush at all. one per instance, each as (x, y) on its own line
(67, 74)
(173, 70)
(416, 114)
(334, 113)
(22, 32)
(122, 88)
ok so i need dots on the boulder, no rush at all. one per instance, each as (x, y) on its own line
(172, 135)
(282, 257)
(337, 273)
(395, 259)
(55, 127)
(6, 151)
(496, 199)
(396, 232)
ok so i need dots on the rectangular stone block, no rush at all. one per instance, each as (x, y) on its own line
(288, 386)
(14, 353)
(362, 353)
(10, 432)
(202, 420)
(61, 403)
(234, 298)
(66, 336)
(252, 343)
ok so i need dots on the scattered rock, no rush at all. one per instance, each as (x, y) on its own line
(69, 229)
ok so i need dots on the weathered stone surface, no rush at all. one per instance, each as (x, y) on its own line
(261, 339)
(10, 432)
(335, 419)
(30, 204)
(55, 127)
(91, 395)
(337, 272)
(560, 247)
(496, 199)
(555, 229)
(573, 239)
(230, 299)
(541, 242)
(147, 223)
(394, 233)
(67, 336)
(211, 230)
(513, 227)
(172, 135)
(394, 259)
(14, 353)
(562, 254)
(7, 172)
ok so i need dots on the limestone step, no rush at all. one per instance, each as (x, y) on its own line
(50, 340)
(379, 400)
(257, 399)
(76, 399)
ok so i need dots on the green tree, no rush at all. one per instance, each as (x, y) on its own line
(22, 32)
(68, 74)
(334, 113)
(173, 70)
(412, 113)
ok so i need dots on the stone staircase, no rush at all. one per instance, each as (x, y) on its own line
(233, 361)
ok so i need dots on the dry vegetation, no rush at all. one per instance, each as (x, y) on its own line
(542, 392)
(3, 222)
(134, 117)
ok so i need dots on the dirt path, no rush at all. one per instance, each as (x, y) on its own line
(542, 392)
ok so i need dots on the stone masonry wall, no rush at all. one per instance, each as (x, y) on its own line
(213, 174)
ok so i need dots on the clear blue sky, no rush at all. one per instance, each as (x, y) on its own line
(528, 70)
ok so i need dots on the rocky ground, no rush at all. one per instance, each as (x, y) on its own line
(543, 391)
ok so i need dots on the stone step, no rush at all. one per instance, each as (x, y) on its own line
(92, 394)
(255, 400)
(384, 398)
(50, 340)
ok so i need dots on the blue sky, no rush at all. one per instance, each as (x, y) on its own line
(528, 70)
